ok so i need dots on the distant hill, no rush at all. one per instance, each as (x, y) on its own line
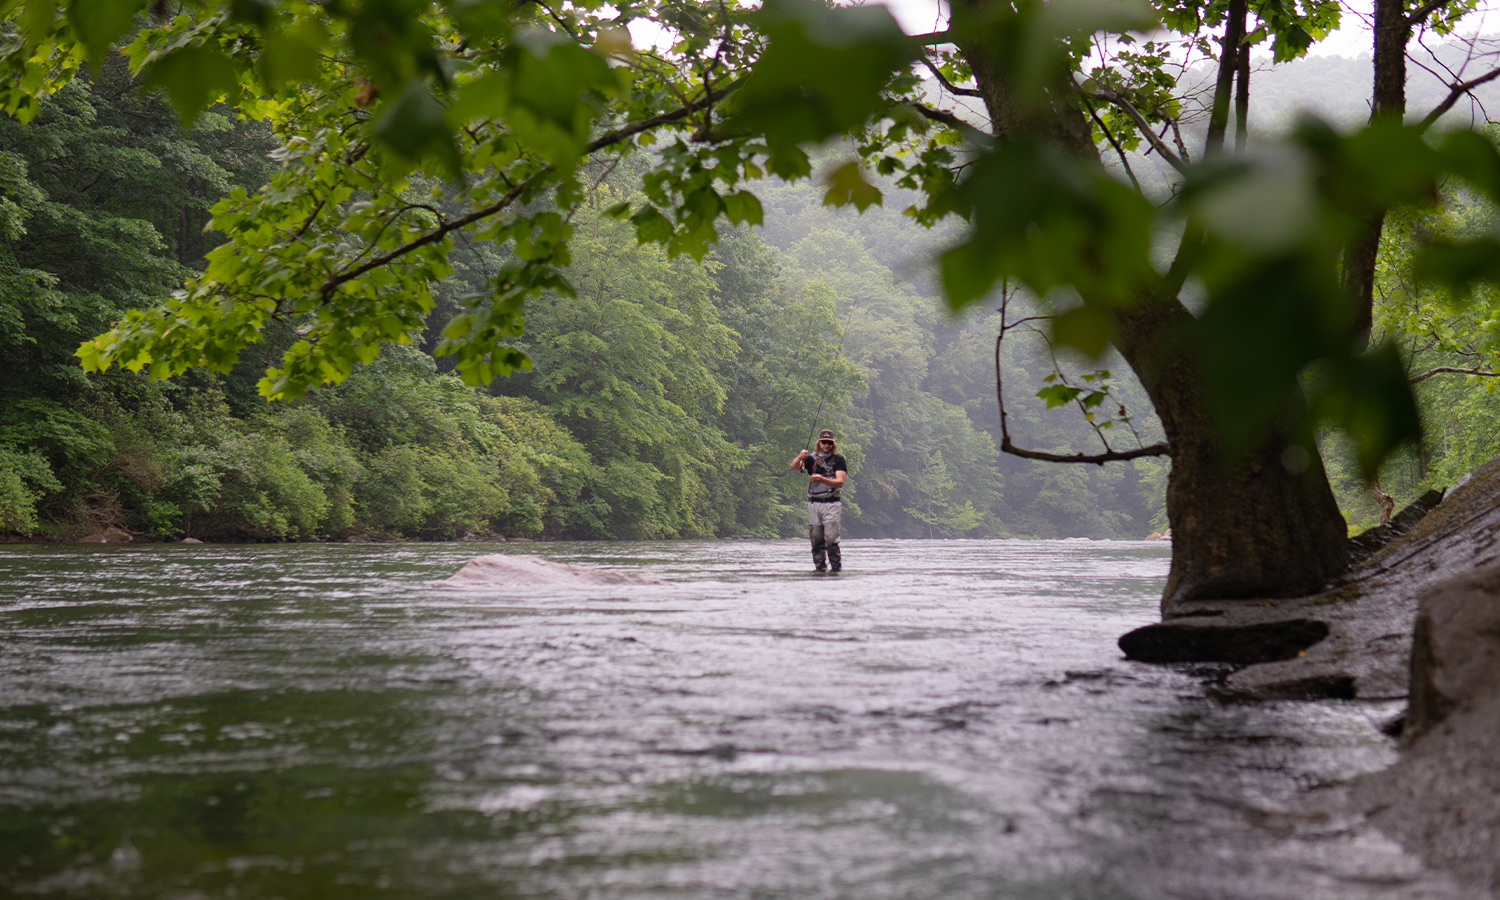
(1338, 88)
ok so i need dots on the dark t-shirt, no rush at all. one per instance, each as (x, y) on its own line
(827, 466)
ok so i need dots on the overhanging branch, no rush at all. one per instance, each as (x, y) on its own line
(1451, 370)
(948, 85)
(1419, 15)
(1141, 125)
(947, 118)
(1454, 93)
(1098, 459)
(605, 140)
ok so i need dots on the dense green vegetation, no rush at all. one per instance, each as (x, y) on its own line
(664, 397)
(1450, 349)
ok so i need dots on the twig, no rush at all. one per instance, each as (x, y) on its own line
(1451, 370)
(1157, 449)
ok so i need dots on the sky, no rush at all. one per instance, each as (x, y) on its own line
(923, 16)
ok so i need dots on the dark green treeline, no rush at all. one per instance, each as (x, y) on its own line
(665, 399)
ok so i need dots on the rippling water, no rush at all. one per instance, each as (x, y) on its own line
(945, 720)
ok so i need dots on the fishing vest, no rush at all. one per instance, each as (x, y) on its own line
(817, 491)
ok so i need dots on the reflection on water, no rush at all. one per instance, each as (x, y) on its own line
(947, 719)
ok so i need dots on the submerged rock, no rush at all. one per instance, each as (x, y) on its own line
(516, 570)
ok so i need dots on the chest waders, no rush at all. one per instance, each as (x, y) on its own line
(824, 516)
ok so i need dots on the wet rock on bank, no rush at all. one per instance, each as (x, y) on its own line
(1369, 616)
(1418, 616)
(1442, 799)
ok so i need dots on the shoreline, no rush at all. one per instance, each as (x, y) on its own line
(1355, 641)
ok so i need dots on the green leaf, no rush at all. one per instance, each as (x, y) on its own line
(651, 226)
(1087, 329)
(291, 57)
(554, 91)
(743, 208)
(1063, 19)
(847, 185)
(258, 13)
(99, 23)
(193, 77)
(482, 20)
(1369, 397)
(789, 163)
(822, 72)
(968, 272)
(1474, 158)
(414, 126)
(40, 18)
(1058, 395)
(1048, 220)
(1459, 265)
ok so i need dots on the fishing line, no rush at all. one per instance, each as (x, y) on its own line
(813, 431)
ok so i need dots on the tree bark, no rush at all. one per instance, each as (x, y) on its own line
(1248, 527)
(1263, 524)
(1388, 101)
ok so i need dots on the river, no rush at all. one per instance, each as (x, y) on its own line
(947, 719)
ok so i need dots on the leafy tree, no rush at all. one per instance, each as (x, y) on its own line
(789, 377)
(102, 199)
(1450, 350)
(628, 364)
(1257, 273)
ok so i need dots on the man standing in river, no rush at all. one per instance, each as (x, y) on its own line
(826, 471)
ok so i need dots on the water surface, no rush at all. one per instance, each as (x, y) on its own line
(944, 720)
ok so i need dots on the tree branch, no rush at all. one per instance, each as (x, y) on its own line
(1454, 92)
(1098, 459)
(1113, 142)
(947, 118)
(1451, 370)
(1144, 127)
(934, 38)
(943, 80)
(1420, 14)
(442, 231)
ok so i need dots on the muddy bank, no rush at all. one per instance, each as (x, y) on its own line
(1355, 641)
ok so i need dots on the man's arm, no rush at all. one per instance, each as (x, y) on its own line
(798, 460)
(837, 480)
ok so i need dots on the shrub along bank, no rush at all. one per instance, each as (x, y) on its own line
(397, 451)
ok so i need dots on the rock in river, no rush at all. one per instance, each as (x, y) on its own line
(506, 570)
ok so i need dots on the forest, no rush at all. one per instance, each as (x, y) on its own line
(663, 398)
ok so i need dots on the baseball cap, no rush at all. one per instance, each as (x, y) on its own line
(825, 435)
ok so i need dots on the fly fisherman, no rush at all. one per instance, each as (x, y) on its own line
(826, 471)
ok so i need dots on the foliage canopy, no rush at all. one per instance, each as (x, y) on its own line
(510, 103)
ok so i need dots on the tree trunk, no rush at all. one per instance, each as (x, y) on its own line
(1388, 101)
(1262, 524)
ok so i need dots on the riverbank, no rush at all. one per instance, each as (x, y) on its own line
(1355, 641)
